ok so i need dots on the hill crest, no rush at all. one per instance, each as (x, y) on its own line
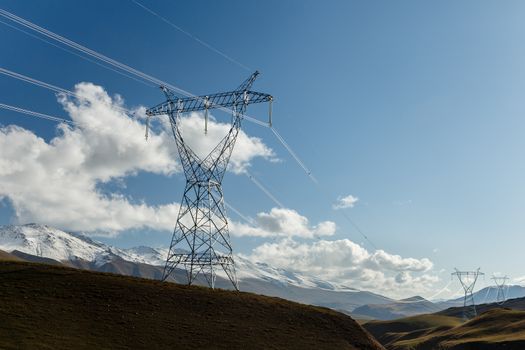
(100, 310)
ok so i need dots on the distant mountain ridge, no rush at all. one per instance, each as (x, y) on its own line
(397, 309)
(489, 295)
(41, 243)
(418, 305)
(35, 242)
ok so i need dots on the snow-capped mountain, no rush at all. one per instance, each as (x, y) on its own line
(48, 242)
(145, 255)
(79, 251)
(36, 242)
(45, 241)
(247, 269)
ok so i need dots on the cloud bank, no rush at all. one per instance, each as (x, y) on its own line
(348, 263)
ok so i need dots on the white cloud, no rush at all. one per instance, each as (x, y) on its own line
(282, 222)
(382, 259)
(345, 202)
(56, 182)
(519, 280)
(345, 262)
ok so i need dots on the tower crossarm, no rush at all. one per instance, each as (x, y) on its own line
(500, 281)
(468, 278)
(230, 100)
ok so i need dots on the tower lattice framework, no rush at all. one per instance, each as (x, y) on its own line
(468, 281)
(500, 285)
(201, 240)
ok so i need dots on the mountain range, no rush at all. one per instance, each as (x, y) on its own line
(41, 243)
(418, 305)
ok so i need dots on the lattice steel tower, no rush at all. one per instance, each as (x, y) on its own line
(500, 284)
(468, 281)
(201, 240)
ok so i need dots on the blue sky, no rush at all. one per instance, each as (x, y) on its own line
(414, 107)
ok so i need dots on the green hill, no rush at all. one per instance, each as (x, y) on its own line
(54, 307)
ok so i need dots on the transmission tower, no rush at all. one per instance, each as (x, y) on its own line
(500, 284)
(201, 240)
(468, 281)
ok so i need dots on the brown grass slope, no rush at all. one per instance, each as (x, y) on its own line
(53, 307)
(33, 258)
(494, 329)
(390, 333)
(514, 304)
(9, 257)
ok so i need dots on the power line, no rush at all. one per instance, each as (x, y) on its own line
(80, 48)
(241, 215)
(293, 154)
(358, 229)
(203, 43)
(264, 189)
(35, 82)
(49, 117)
(78, 55)
(48, 86)
(109, 60)
(37, 115)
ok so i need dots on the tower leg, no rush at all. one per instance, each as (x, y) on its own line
(201, 241)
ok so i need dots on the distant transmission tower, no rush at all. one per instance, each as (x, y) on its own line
(468, 281)
(500, 284)
(201, 239)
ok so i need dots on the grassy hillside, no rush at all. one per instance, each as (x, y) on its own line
(415, 328)
(514, 304)
(54, 307)
(495, 329)
(7, 256)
